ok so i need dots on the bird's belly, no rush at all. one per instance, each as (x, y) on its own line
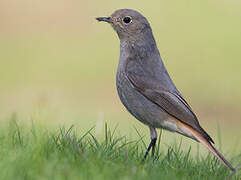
(141, 108)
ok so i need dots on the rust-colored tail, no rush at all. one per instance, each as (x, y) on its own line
(210, 147)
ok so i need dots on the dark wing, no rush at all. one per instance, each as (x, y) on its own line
(171, 102)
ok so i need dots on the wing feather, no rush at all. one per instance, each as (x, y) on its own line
(171, 102)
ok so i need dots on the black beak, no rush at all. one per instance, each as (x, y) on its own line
(105, 19)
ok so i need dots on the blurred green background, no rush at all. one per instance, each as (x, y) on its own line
(58, 64)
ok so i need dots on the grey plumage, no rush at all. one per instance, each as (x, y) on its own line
(144, 85)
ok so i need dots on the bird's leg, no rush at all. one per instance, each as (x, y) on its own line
(152, 143)
(153, 139)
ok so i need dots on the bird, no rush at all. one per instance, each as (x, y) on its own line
(144, 86)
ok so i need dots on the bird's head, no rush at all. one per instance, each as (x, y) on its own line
(127, 23)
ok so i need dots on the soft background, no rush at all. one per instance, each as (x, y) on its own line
(58, 64)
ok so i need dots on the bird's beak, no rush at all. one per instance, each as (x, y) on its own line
(105, 19)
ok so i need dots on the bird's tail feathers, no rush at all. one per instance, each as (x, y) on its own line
(209, 146)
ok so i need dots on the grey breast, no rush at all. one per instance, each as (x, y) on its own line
(138, 105)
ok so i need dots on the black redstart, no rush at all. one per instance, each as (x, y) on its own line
(145, 87)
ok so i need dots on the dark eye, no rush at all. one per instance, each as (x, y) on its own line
(127, 19)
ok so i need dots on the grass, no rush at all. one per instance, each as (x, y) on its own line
(39, 153)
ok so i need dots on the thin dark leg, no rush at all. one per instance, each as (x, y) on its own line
(152, 143)
(153, 147)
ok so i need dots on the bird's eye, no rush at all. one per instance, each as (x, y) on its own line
(127, 19)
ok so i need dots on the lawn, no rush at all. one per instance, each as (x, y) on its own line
(40, 153)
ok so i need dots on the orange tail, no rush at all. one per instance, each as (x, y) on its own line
(210, 147)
